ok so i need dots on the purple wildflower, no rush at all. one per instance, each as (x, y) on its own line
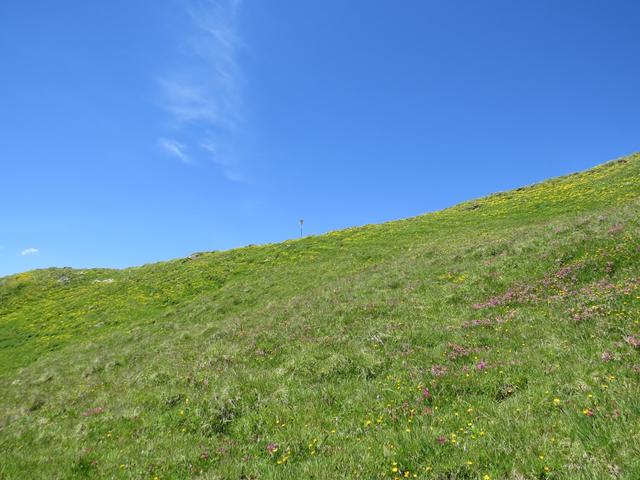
(633, 341)
(439, 370)
(93, 411)
(616, 229)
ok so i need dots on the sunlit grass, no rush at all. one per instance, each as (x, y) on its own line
(496, 339)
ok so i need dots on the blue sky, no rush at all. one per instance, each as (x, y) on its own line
(135, 131)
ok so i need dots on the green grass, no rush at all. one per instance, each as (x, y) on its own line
(518, 312)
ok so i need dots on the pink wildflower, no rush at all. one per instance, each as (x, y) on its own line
(439, 370)
(633, 341)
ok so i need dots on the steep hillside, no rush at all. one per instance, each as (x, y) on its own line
(496, 339)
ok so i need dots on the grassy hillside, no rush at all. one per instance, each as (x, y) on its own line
(498, 339)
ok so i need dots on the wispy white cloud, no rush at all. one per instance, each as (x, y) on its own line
(188, 102)
(221, 153)
(174, 148)
(29, 251)
(203, 94)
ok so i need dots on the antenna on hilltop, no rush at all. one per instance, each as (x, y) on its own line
(301, 223)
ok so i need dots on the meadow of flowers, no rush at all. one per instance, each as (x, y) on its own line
(497, 339)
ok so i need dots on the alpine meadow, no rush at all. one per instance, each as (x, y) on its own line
(496, 339)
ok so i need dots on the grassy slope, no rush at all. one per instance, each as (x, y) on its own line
(518, 312)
